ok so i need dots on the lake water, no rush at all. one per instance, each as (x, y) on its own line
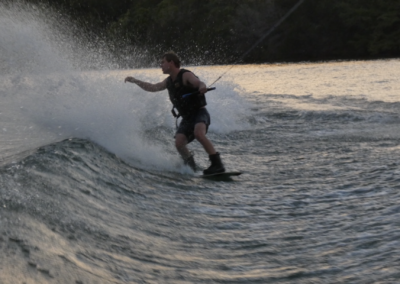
(92, 190)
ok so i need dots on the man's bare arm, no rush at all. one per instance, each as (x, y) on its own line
(149, 87)
(190, 79)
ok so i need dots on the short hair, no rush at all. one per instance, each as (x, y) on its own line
(171, 56)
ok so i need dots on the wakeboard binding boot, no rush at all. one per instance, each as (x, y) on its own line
(216, 165)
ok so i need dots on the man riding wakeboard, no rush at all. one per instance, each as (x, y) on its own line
(195, 117)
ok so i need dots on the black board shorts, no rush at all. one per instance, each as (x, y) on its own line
(187, 124)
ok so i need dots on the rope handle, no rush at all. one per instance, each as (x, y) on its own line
(196, 93)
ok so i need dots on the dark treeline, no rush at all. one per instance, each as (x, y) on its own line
(220, 31)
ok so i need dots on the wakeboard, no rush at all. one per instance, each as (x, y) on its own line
(222, 175)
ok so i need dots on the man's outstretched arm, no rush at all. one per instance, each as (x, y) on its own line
(149, 87)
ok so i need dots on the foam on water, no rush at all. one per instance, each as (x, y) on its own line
(123, 118)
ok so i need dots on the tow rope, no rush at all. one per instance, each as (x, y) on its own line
(277, 24)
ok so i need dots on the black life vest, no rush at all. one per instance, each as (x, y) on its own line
(188, 105)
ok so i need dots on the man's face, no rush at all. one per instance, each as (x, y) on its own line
(165, 66)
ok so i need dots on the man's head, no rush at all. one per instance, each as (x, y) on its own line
(171, 56)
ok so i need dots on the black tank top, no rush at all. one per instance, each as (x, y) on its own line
(188, 105)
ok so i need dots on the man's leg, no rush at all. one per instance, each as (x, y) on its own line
(180, 144)
(200, 131)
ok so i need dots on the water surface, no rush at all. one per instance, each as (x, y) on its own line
(92, 190)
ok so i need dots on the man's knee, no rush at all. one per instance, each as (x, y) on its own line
(200, 131)
(180, 141)
(199, 135)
